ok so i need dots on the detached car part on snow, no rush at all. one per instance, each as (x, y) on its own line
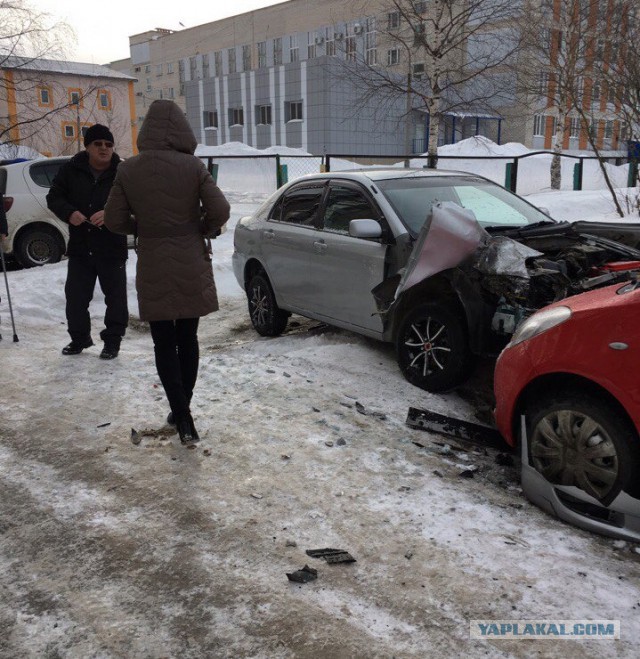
(443, 264)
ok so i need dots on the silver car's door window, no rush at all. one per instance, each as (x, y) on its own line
(300, 206)
(343, 205)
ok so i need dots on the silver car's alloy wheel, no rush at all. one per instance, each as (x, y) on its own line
(266, 317)
(258, 304)
(570, 448)
(428, 346)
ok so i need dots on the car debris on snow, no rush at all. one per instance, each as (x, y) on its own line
(304, 575)
(331, 555)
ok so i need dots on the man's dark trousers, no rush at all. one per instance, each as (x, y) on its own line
(82, 273)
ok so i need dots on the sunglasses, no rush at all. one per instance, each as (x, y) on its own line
(100, 144)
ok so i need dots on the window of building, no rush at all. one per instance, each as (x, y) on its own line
(169, 67)
(330, 47)
(543, 83)
(293, 111)
(193, 68)
(539, 121)
(170, 93)
(418, 71)
(420, 6)
(393, 56)
(611, 93)
(236, 117)
(75, 97)
(217, 59)
(350, 46)
(600, 49)
(311, 45)
(231, 59)
(370, 39)
(205, 65)
(293, 48)
(608, 130)
(246, 58)
(68, 130)
(158, 69)
(262, 54)
(210, 119)
(104, 99)
(595, 92)
(580, 88)
(574, 127)
(45, 97)
(147, 68)
(263, 115)
(181, 70)
(277, 51)
(393, 20)
(149, 86)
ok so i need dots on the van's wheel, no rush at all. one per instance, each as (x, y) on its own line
(582, 440)
(266, 317)
(38, 246)
(432, 348)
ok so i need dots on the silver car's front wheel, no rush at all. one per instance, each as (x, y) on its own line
(266, 317)
(583, 441)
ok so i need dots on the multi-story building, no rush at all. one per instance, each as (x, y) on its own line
(280, 76)
(48, 105)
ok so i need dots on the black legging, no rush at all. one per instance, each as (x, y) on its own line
(175, 343)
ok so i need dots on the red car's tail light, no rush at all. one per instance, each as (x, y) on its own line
(8, 202)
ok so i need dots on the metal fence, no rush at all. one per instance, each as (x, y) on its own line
(525, 174)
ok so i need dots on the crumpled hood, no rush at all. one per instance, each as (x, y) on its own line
(166, 128)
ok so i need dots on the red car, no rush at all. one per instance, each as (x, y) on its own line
(567, 388)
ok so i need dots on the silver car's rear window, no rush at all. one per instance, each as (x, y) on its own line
(412, 199)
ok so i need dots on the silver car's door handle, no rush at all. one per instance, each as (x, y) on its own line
(319, 246)
(269, 234)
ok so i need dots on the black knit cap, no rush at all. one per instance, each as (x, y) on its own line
(97, 132)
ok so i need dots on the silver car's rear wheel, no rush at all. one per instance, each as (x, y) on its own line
(266, 317)
(583, 441)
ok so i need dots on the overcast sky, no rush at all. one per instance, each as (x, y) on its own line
(103, 27)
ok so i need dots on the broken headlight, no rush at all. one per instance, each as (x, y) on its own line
(540, 322)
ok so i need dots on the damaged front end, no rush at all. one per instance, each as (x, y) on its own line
(502, 275)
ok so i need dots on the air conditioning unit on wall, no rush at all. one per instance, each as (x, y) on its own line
(338, 36)
(357, 28)
(319, 40)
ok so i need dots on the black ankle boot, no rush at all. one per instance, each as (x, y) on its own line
(186, 429)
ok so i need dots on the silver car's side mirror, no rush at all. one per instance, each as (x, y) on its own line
(365, 229)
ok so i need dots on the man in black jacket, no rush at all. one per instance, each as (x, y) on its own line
(77, 196)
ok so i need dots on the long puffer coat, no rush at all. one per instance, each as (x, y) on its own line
(175, 204)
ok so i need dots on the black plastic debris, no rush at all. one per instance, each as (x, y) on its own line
(332, 555)
(381, 416)
(104, 425)
(504, 460)
(303, 576)
(446, 425)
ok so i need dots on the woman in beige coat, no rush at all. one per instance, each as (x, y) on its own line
(175, 206)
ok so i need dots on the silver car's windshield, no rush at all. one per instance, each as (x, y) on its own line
(412, 199)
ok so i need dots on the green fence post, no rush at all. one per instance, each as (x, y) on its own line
(213, 170)
(577, 175)
(284, 177)
(632, 179)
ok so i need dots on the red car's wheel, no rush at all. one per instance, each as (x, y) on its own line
(581, 440)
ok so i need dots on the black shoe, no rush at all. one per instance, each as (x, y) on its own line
(186, 430)
(76, 347)
(109, 352)
(170, 420)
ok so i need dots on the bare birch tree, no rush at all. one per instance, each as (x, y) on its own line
(27, 35)
(439, 57)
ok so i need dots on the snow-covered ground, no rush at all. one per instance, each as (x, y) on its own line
(115, 549)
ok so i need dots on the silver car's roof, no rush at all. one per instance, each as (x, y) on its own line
(385, 173)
